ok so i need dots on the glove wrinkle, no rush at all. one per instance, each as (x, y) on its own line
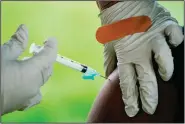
(110, 60)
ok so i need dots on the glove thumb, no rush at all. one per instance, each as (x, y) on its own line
(174, 33)
(47, 56)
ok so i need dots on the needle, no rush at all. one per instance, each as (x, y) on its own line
(104, 77)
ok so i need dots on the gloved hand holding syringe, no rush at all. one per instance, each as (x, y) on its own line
(89, 73)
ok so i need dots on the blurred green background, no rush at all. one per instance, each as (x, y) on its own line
(66, 96)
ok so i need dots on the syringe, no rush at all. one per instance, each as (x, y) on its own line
(89, 73)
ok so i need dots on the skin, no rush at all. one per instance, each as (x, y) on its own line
(105, 4)
(109, 107)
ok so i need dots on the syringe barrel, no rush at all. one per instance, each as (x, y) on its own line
(62, 60)
(89, 73)
(70, 63)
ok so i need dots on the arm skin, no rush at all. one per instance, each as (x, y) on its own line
(109, 107)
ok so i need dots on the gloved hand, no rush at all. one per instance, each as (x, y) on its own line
(132, 54)
(21, 79)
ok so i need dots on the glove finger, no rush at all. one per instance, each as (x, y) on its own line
(148, 86)
(163, 57)
(47, 56)
(109, 59)
(32, 102)
(174, 34)
(16, 45)
(128, 88)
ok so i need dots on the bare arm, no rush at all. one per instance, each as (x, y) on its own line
(109, 107)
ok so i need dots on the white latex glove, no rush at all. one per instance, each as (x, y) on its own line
(133, 53)
(21, 79)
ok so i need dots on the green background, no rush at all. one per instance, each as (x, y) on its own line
(66, 96)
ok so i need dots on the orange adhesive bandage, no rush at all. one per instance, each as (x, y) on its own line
(123, 28)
